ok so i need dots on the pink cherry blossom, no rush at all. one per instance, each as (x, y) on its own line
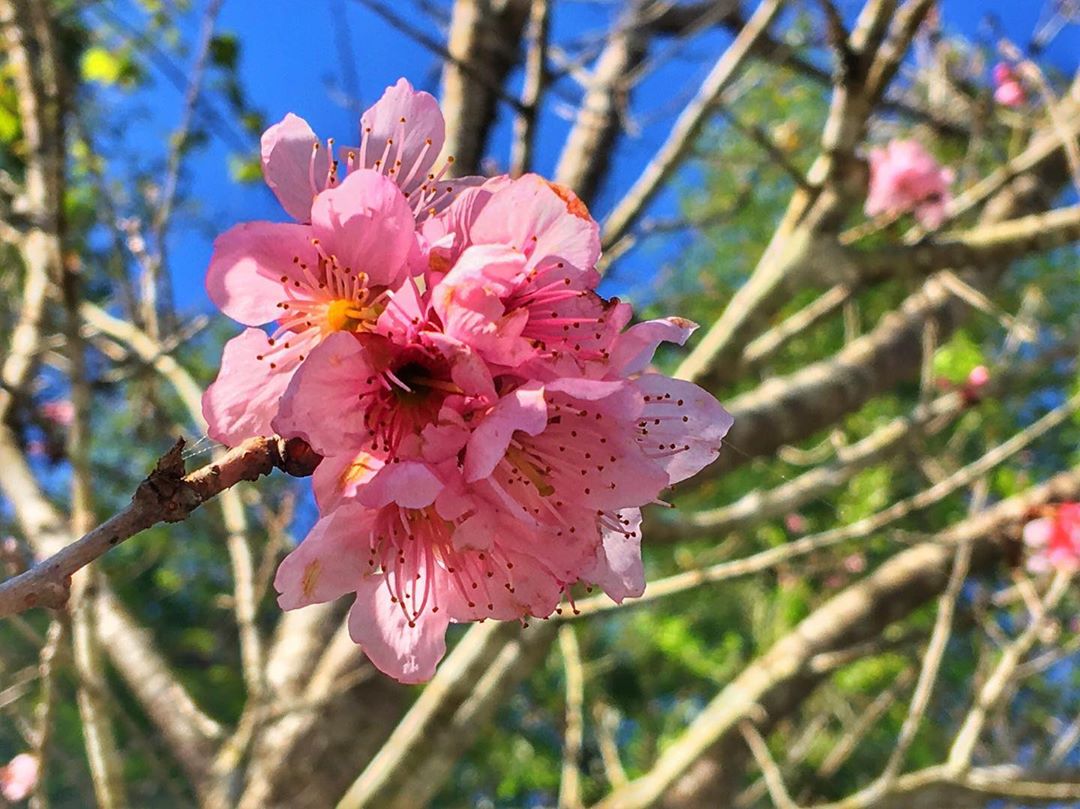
(19, 777)
(59, 411)
(401, 137)
(546, 477)
(795, 523)
(905, 178)
(1053, 541)
(490, 428)
(312, 280)
(1008, 91)
(979, 376)
(414, 569)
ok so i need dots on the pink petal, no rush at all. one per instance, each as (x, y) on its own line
(244, 279)
(410, 119)
(468, 301)
(683, 421)
(633, 349)
(330, 562)
(322, 405)
(406, 313)
(409, 484)
(295, 165)
(339, 476)
(618, 570)
(530, 206)
(524, 410)
(407, 653)
(243, 400)
(467, 370)
(367, 225)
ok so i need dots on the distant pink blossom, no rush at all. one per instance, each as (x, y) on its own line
(1054, 541)
(795, 523)
(59, 411)
(976, 381)
(1008, 91)
(855, 563)
(905, 178)
(19, 777)
(979, 376)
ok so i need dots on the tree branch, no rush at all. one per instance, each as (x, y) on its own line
(166, 495)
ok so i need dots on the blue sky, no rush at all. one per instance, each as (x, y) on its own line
(292, 57)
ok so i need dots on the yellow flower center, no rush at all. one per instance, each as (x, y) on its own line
(346, 315)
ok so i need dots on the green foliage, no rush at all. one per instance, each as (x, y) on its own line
(109, 67)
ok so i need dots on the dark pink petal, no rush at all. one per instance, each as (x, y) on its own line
(633, 349)
(523, 410)
(330, 562)
(407, 653)
(296, 166)
(683, 425)
(243, 400)
(365, 223)
(244, 279)
(322, 405)
(618, 570)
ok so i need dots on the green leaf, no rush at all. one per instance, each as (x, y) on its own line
(245, 168)
(225, 51)
(956, 358)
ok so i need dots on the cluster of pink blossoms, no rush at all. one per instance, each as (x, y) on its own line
(488, 426)
(905, 178)
(1053, 541)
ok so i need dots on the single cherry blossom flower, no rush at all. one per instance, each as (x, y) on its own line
(446, 557)
(795, 523)
(1008, 91)
(1053, 541)
(19, 777)
(905, 178)
(311, 281)
(401, 137)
